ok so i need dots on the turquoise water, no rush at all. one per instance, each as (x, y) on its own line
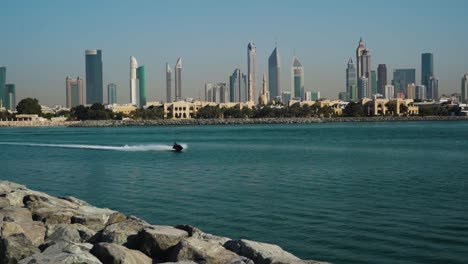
(344, 192)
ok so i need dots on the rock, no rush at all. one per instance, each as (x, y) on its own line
(260, 253)
(15, 247)
(92, 217)
(116, 218)
(202, 251)
(117, 254)
(13, 214)
(50, 215)
(123, 233)
(154, 241)
(62, 232)
(197, 233)
(74, 200)
(34, 231)
(63, 253)
(36, 200)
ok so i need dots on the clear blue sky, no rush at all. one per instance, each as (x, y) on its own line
(44, 41)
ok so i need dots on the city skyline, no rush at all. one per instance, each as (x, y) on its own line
(323, 53)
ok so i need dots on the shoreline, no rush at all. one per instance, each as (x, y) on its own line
(227, 121)
(40, 228)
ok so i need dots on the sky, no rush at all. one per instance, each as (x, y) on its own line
(45, 41)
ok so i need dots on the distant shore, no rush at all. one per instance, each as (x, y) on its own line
(228, 121)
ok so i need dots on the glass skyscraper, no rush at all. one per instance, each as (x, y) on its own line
(168, 83)
(401, 79)
(10, 97)
(74, 91)
(111, 93)
(373, 82)
(2, 86)
(141, 76)
(238, 86)
(274, 74)
(427, 68)
(351, 80)
(297, 74)
(381, 78)
(94, 84)
(251, 67)
(178, 80)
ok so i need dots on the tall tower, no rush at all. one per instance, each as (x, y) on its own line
(74, 91)
(178, 80)
(464, 88)
(133, 81)
(94, 85)
(433, 89)
(381, 78)
(351, 80)
(427, 68)
(250, 93)
(263, 99)
(361, 47)
(274, 74)
(2, 86)
(141, 76)
(10, 97)
(251, 64)
(297, 78)
(168, 83)
(237, 86)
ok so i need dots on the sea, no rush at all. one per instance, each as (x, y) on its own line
(339, 192)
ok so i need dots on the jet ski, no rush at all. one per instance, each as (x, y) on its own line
(177, 148)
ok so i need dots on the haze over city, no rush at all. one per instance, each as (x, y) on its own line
(46, 41)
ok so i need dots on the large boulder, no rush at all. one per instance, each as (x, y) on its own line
(123, 233)
(92, 217)
(260, 253)
(202, 251)
(15, 214)
(155, 241)
(16, 247)
(32, 230)
(197, 233)
(69, 232)
(109, 253)
(63, 253)
(50, 215)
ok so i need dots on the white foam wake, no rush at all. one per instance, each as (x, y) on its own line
(146, 147)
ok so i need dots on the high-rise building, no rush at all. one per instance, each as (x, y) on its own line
(315, 95)
(427, 68)
(133, 81)
(223, 93)
(361, 47)
(343, 96)
(94, 83)
(141, 76)
(433, 89)
(351, 80)
(411, 91)
(401, 79)
(363, 88)
(216, 92)
(274, 74)
(389, 92)
(365, 64)
(464, 88)
(111, 93)
(238, 86)
(297, 79)
(420, 92)
(252, 66)
(307, 96)
(285, 97)
(74, 91)
(2, 86)
(168, 83)
(374, 82)
(10, 96)
(263, 98)
(178, 80)
(381, 78)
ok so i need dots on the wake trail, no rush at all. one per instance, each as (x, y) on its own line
(145, 147)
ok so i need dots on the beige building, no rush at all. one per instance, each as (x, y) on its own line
(188, 110)
(124, 109)
(380, 107)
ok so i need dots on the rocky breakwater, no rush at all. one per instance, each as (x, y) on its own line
(39, 228)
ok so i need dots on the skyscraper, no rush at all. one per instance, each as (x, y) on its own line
(365, 64)
(411, 91)
(401, 79)
(427, 68)
(351, 80)
(389, 92)
(363, 88)
(274, 74)
(420, 92)
(168, 83)
(141, 76)
(381, 78)
(361, 47)
(464, 88)
(297, 79)
(374, 82)
(178, 80)
(433, 89)
(111, 93)
(74, 91)
(252, 65)
(133, 81)
(238, 86)
(94, 85)
(10, 96)
(2, 86)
